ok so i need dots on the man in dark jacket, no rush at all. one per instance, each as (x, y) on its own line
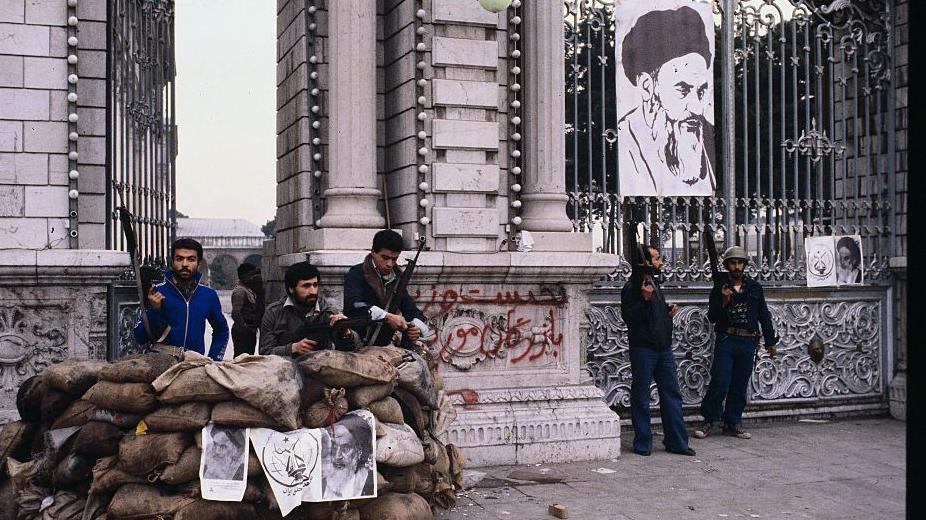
(369, 285)
(247, 308)
(649, 324)
(180, 306)
(301, 305)
(737, 310)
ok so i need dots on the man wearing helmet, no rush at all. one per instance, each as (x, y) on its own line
(737, 310)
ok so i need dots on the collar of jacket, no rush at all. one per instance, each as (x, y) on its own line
(169, 276)
(290, 303)
(376, 282)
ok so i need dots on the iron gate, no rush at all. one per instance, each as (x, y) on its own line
(142, 148)
(805, 141)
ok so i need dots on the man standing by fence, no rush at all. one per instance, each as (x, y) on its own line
(247, 308)
(649, 323)
(737, 310)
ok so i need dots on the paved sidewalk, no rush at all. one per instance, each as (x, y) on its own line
(847, 469)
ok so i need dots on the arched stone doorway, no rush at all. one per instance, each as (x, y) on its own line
(223, 272)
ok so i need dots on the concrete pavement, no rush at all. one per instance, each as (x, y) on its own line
(842, 469)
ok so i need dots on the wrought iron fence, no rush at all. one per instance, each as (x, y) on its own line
(805, 139)
(142, 132)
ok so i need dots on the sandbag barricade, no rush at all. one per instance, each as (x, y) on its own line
(124, 439)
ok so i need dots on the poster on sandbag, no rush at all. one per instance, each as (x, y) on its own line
(223, 468)
(290, 462)
(348, 459)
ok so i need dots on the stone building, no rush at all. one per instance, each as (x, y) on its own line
(227, 243)
(447, 122)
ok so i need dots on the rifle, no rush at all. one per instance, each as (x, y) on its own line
(396, 297)
(131, 244)
(321, 333)
(720, 278)
(638, 266)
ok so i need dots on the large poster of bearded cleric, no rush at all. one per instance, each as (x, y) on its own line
(665, 97)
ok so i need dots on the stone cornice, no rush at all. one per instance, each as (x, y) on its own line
(60, 266)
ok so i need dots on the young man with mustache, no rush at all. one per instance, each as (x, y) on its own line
(301, 305)
(737, 310)
(247, 308)
(662, 141)
(182, 306)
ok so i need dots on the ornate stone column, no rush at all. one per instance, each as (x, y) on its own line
(544, 196)
(352, 195)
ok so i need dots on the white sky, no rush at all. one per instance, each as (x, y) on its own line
(226, 108)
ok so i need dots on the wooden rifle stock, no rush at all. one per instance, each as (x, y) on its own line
(720, 278)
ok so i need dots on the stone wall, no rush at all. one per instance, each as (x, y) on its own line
(898, 388)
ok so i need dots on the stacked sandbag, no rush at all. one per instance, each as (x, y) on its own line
(124, 439)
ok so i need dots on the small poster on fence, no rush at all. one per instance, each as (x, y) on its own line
(834, 261)
(223, 468)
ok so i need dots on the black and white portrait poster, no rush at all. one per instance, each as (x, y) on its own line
(290, 461)
(834, 261)
(223, 468)
(665, 97)
(849, 267)
(348, 458)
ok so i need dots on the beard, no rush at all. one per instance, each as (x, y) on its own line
(680, 144)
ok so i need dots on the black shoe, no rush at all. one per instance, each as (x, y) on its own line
(645, 453)
(686, 451)
(706, 430)
(736, 431)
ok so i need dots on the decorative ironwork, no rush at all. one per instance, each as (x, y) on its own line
(815, 144)
(796, 64)
(142, 134)
(828, 349)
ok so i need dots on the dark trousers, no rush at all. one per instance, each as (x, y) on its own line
(733, 363)
(245, 340)
(645, 365)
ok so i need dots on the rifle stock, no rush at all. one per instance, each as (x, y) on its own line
(131, 244)
(720, 278)
(322, 333)
(638, 265)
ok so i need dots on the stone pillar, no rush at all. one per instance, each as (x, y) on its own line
(544, 196)
(898, 388)
(352, 195)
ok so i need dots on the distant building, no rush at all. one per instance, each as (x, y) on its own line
(227, 243)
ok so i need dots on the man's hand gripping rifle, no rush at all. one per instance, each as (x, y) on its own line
(640, 269)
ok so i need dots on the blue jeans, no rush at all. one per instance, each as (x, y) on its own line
(730, 373)
(645, 365)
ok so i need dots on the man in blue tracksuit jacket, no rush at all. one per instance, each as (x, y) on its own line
(184, 305)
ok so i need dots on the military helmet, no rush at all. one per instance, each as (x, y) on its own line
(735, 252)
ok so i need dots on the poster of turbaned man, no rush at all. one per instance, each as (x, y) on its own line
(834, 261)
(665, 97)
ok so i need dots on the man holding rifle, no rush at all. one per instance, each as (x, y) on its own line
(649, 324)
(373, 289)
(285, 319)
(737, 308)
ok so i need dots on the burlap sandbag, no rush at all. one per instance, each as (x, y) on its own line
(108, 476)
(119, 419)
(136, 398)
(54, 403)
(393, 506)
(312, 392)
(444, 414)
(15, 442)
(327, 411)
(254, 467)
(406, 480)
(382, 485)
(185, 417)
(386, 410)
(194, 385)
(399, 446)
(346, 369)
(362, 396)
(29, 398)
(73, 469)
(184, 470)
(242, 415)
(456, 462)
(253, 492)
(73, 376)
(10, 509)
(98, 439)
(138, 501)
(271, 384)
(143, 454)
(66, 506)
(414, 415)
(414, 373)
(201, 509)
(76, 414)
(140, 368)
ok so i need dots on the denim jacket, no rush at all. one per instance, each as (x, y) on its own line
(757, 311)
(648, 322)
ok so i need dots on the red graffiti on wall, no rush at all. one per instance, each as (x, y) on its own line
(524, 331)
